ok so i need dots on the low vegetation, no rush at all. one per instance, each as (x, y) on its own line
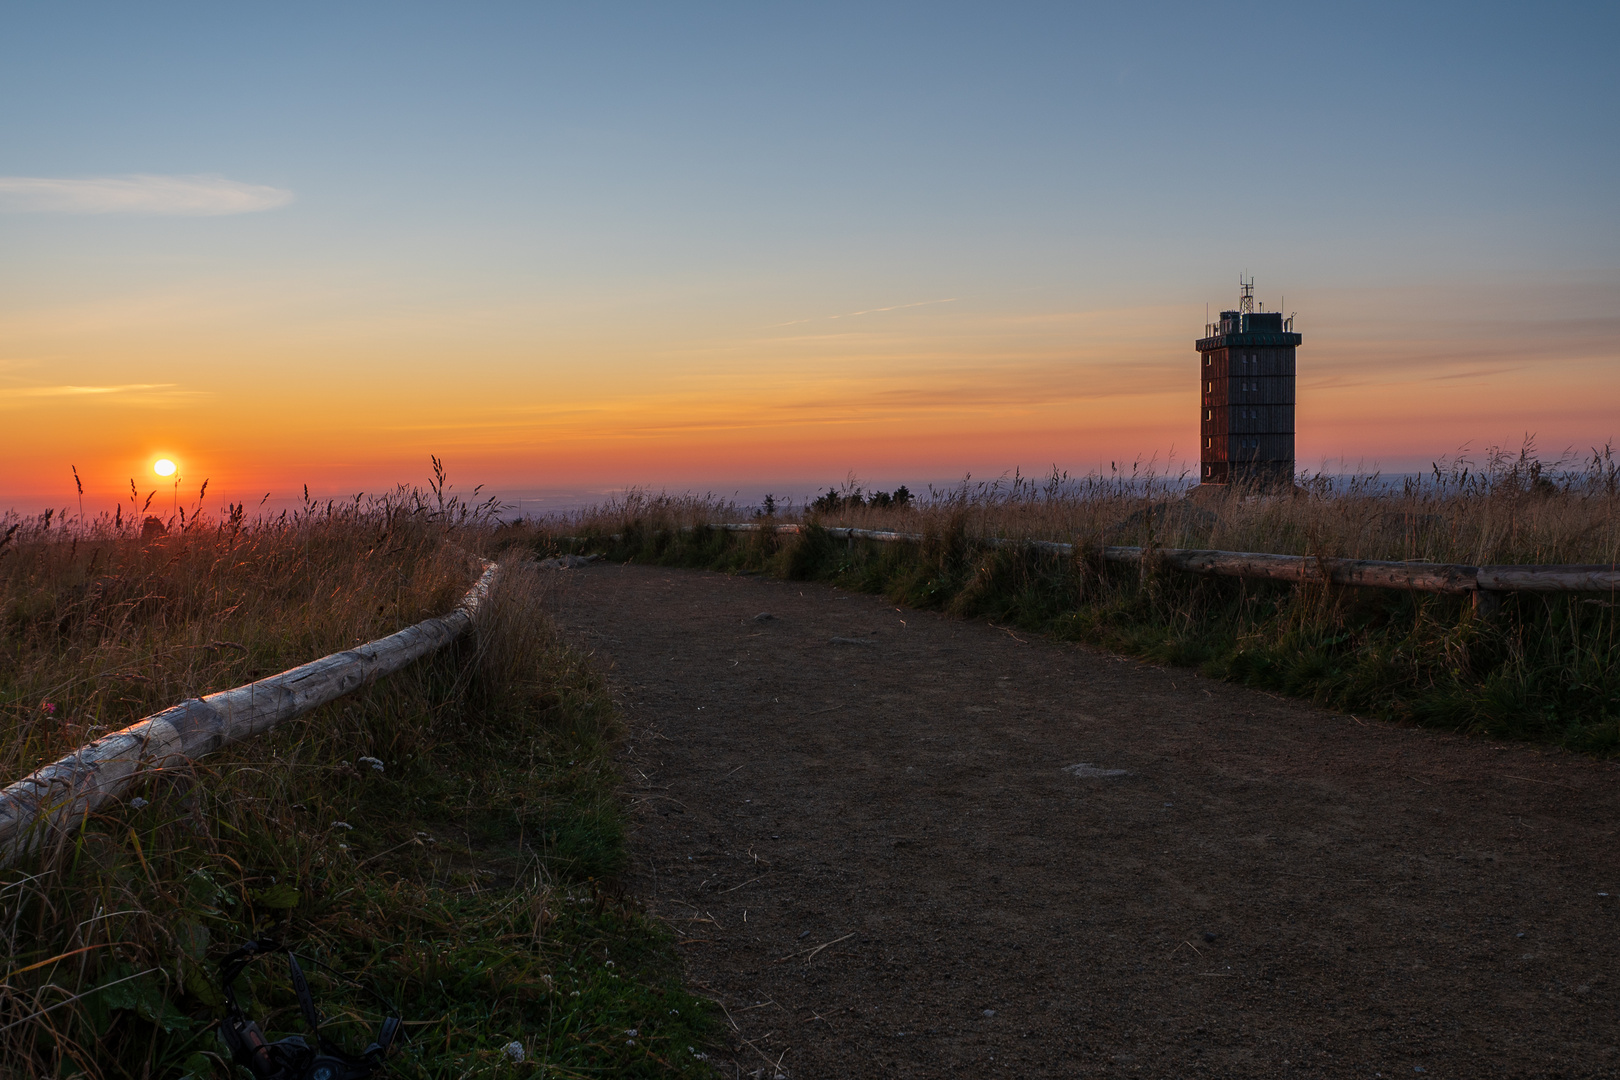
(447, 841)
(1545, 668)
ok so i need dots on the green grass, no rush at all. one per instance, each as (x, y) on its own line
(474, 881)
(1547, 669)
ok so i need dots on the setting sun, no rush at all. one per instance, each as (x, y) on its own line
(163, 467)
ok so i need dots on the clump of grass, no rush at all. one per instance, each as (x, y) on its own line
(1547, 669)
(468, 880)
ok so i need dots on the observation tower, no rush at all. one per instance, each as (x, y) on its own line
(1246, 384)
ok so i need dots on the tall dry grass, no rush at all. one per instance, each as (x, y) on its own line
(1509, 508)
(100, 626)
(442, 837)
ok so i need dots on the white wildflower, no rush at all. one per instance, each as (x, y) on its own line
(514, 1050)
(139, 803)
(341, 825)
(373, 762)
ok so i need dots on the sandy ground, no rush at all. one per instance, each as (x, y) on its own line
(895, 843)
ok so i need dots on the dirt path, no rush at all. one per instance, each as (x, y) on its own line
(880, 862)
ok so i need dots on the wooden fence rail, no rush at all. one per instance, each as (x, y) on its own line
(55, 798)
(1481, 581)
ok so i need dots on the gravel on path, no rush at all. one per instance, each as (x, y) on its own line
(895, 843)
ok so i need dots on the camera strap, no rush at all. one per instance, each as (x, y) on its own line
(292, 1058)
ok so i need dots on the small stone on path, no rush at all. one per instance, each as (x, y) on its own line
(1088, 772)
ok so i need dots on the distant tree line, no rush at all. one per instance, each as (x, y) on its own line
(853, 498)
(850, 498)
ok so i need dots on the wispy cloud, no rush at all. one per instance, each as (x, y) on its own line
(79, 391)
(870, 311)
(137, 193)
(130, 393)
(894, 307)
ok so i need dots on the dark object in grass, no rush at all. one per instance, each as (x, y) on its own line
(292, 1058)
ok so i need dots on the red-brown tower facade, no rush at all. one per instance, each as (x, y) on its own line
(1246, 384)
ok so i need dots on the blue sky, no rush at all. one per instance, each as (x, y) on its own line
(600, 209)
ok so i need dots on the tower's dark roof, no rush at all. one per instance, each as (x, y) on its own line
(1256, 328)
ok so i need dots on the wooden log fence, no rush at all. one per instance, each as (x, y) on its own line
(53, 799)
(1483, 582)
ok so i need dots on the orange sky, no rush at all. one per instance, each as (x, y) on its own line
(264, 397)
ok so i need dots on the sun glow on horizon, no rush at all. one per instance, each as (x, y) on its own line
(163, 467)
